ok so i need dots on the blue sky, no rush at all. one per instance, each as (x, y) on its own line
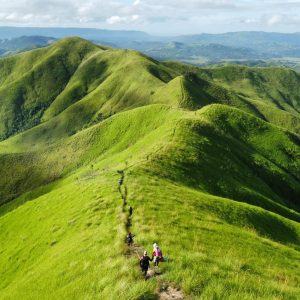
(162, 17)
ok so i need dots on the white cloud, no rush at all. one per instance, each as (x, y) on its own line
(135, 17)
(136, 2)
(250, 21)
(126, 19)
(12, 16)
(274, 20)
(114, 20)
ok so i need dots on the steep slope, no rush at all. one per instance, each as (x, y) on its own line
(211, 170)
(74, 89)
(190, 92)
(234, 155)
(277, 86)
(271, 94)
(32, 80)
(38, 166)
(172, 174)
(110, 82)
(91, 83)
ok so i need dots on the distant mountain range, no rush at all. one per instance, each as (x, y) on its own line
(110, 36)
(248, 48)
(23, 43)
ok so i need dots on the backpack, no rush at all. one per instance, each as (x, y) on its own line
(159, 253)
(129, 239)
(144, 262)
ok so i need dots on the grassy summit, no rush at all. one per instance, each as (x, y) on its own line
(211, 164)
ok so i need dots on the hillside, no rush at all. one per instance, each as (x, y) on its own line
(211, 168)
(23, 43)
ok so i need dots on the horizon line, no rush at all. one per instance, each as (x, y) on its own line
(145, 32)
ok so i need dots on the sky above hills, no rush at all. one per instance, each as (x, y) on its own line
(163, 17)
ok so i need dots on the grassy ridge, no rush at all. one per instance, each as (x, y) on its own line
(211, 170)
(78, 251)
(232, 154)
(44, 165)
(91, 83)
(32, 80)
(271, 94)
(153, 204)
(278, 86)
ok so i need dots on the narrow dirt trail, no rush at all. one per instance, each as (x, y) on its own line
(166, 292)
(133, 249)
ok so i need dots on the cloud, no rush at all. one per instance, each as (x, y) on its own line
(162, 16)
(114, 20)
(117, 19)
(197, 5)
(250, 21)
(136, 2)
(274, 20)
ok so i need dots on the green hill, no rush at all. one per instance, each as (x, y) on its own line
(211, 168)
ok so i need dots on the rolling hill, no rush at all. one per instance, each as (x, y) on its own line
(211, 164)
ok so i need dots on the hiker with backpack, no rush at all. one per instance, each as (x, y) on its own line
(144, 263)
(129, 238)
(156, 255)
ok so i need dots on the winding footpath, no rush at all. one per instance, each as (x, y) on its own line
(166, 292)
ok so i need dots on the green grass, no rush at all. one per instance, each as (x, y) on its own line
(211, 169)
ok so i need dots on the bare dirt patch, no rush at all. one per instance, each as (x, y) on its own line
(170, 293)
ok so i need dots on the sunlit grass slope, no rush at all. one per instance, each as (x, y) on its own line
(74, 83)
(269, 93)
(30, 81)
(46, 164)
(278, 86)
(69, 240)
(212, 171)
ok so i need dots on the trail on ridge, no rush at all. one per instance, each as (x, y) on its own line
(166, 292)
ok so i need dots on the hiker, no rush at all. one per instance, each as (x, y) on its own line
(130, 211)
(120, 181)
(129, 238)
(144, 263)
(156, 255)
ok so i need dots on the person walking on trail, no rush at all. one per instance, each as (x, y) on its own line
(144, 263)
(129, 238)
(156, 255)
(121, 181)
(130, 211)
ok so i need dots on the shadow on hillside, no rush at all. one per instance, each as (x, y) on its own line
(148, 296)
